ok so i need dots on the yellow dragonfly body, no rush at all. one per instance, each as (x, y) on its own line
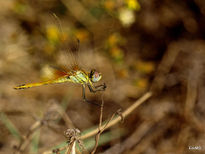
(75, 75)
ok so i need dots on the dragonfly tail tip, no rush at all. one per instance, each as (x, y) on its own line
(20, 87)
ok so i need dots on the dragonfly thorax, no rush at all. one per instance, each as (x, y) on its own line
(95, 76)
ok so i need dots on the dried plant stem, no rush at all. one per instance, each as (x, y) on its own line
(24, 143)
(73, 151)
(37, 125)
(164, 68)
(112, 121)
(65, 117)
(70, 149)
(97, 137)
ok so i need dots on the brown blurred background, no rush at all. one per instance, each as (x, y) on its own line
(139, 46)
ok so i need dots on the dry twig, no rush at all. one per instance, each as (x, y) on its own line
(112, 121)
(97, 137)
(48, 116)
(72, 136)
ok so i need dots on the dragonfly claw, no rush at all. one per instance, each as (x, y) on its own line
(90, 102)
(101, 87)
(104, 86)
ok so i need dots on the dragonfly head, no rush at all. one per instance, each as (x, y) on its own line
(95, 76)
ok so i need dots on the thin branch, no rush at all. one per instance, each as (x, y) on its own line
(39, 123)
(97, 137)
(24, 143)
(114, 121)
(72, 136)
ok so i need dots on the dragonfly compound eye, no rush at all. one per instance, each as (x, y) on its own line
(95, 76)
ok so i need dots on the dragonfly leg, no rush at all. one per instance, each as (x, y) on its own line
(97, 88)
(84, 98)
(83, 92)
(101, 87)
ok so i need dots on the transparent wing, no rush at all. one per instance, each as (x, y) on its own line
(69, 47)
(50, 72)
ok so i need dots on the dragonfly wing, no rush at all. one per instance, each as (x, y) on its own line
(59, 70)
(50, 72)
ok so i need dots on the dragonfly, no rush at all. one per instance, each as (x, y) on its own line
(74, 74)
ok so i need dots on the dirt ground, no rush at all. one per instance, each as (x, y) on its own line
(151, 55)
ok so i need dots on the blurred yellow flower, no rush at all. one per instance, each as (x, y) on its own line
(82, 35)
(113, 39)
(142, 83)
(133, 5)
(126, 16)
(52, 34)
(145, 67)
(117, 53)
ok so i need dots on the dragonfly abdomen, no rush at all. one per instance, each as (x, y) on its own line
(58, 80)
